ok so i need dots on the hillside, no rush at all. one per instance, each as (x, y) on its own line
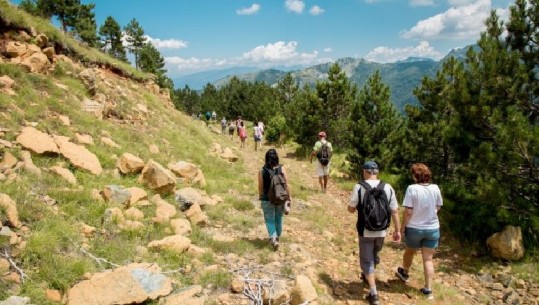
(108, 195)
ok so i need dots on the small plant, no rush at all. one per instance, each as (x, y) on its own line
(219, 279)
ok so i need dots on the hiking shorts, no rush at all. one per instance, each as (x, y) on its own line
(322, 170)
(418, 238)
(369, 248)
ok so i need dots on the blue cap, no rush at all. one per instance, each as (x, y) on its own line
(370, 165)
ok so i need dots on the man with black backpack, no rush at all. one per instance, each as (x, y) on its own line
(323, 151)
(376, 204)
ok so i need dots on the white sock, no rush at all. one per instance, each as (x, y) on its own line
(374, 291)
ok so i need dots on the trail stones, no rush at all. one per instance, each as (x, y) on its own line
(10, 208)
(157, 178)
(303, 291)
(78, 155)
(36, 141)
(132, 284)
(507, 244)
(130, 164)
(66, 174)
(176, 243)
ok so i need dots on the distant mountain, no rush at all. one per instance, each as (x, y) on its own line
(197, 81)
(401, 76)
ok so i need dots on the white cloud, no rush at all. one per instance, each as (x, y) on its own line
(385, 54)
(422, 2)
(167, 43)
(462, 22)
(295, 6)
(327, 50)
(316, 10)
(460, 2)
(253, 9)
(279, 53)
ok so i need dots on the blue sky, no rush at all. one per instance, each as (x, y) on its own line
(199, 35)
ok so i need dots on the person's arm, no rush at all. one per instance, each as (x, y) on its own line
(354, 200)
(285, 175)
(260, 185)
(395, 217)
(406, 217)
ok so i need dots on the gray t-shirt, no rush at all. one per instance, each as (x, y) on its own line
(424, 200)
(393, 204)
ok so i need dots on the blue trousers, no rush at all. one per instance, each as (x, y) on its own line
(273, 216)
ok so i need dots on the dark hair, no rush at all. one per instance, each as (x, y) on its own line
(421, 173)
(272, 158)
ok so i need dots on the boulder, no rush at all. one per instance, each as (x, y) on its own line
(189, 171)
(131, 225)
(93, 107)
(507, 244)
(64, 120)
(8, 161)
(15, 300)
(6, 82)
(37, 141)
(130, 164)
(188, 196)
(175, 243)
(36, 62)
(185, 296)
(109, 142)
(23, 36)
(15, 49)
(134, 214)
(89, 78)
(114, 215)
(131, 284)
(180, 226)
(116, 194)
(228, 155)
(66, 174)
(157, 178)
(278, 295)
(84, 139)
(49, 52)
(196, 216)
(78, 155)
(53, 295)
(164, 211)
(29, 165)
(10, 209)
(303, 291)
(137, 194)
(42, 40)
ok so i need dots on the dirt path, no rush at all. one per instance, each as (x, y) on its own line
(320, 240)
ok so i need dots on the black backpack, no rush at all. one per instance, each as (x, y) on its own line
(374, 213)
(277, 192)
(324, 154)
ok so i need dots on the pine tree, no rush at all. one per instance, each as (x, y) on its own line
(375, 126)
(85, 26)
(111, 34)
(135, 39)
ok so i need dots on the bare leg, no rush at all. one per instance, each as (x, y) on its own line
(371, 280)
(428, 266)
(326, 181)
(407, 258)
(321, 181)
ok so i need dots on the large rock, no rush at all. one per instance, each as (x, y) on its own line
(6, 82)
(228, 155)
(164, 211)
(89, 78)
(15, 300)
(137, 194)
(66, 174)
(15, 49)
(303, 291)
(157, 178)
(132, 284)
(78, 155)
(196, 216)
(130, 164)
(36, 141)
(278, 295)
(507, 244)
(84, 139)
(93, 107)
(116, 194)
(189, 196)
(36, 62)
(42, 40)
(10, 209)
(180, 226)
(8, 161)
(186, 296)
(189, 171)
(175, 243)
(29, 164)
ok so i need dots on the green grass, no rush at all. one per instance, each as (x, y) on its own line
(219, 279)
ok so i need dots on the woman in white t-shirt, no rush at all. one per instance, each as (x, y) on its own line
(420, 225)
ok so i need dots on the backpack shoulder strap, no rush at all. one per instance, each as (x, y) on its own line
(381, 185)
(365, 184)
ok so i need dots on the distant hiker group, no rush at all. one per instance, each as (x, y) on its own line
(376, 204)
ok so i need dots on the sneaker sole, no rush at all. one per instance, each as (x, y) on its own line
(401, 277)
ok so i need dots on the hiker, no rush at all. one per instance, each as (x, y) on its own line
(213, 116)
(322, 150)
(208, 116)
(242, 131)
(420, 225)
(238, 123)
(223, 125)
(257, 135)
(372, 230)
(231, 130)
(273, 214)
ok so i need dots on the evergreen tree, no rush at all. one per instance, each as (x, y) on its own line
(337, 95)
(135, 39)
(85, 26)
(151, 61)
(111, 36)
(375, 126)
